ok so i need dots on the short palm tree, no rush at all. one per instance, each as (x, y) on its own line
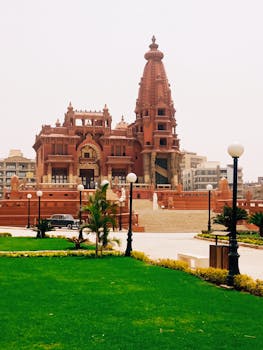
(101, 216)
(257, 219)
(42, 227)
(225, 218)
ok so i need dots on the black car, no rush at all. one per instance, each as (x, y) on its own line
(63, 220)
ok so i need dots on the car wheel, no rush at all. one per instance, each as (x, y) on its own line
(69, 226)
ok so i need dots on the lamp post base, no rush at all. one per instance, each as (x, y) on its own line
(80, 234)
(129, 244)
(233, 262)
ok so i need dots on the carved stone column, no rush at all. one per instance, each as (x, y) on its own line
(49, 173)
(146, 168)
(153, 177)
(70, 175)
(109, 174)
(175, 170)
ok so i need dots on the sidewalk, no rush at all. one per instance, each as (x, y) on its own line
(167, 245)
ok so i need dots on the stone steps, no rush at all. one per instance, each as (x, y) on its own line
(164, 220)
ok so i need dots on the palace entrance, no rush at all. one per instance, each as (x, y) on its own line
(87, 178)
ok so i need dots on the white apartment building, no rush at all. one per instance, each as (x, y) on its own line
(16, 164)
(197, 177)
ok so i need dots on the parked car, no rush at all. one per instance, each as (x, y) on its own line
(63, 220)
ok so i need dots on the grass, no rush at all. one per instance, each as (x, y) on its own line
(244, 237)
(29, 243)
(119, 303)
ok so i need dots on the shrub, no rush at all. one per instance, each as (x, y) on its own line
(257, 241)
(173, 264)
(57, 253)
(247, 284)
(5, 234)
(77, 241)
(211, 274)
(141, 256)
(257, 219)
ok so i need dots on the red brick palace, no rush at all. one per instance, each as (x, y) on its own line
(85, 148)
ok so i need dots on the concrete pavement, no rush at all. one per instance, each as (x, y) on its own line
(166, 245)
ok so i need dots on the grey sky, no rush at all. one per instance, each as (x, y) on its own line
(92, 53)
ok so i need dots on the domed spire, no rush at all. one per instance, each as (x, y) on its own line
(154, 53)
(122, 124)
(154, 89)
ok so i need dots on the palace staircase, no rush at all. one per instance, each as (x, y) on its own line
(164, 220)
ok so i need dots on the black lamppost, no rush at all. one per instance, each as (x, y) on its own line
(29, 196)
(39, 195)
(235, 151)
(209, 189)
(80, 189)
(121, 200)
(131, 178)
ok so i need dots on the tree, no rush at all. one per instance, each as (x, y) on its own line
(42, 227)
(101, 216)
(225, 218)
(257, 219)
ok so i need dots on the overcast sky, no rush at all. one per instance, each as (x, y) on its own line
(92, 53)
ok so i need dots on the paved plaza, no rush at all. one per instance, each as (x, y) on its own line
(166, 245)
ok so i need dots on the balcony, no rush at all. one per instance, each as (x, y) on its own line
(84, 160)
(59, 158)
(119, 160)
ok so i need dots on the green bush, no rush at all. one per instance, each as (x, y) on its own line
(211, 274)
(245, 237)
(57, 253)
(252, 240)
(141, 256)
(247, 233)
(173, 264)
(247, 284)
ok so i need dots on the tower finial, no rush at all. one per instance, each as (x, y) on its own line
(70, 108)
(153, 45)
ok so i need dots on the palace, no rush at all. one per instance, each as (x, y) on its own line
(86, 149)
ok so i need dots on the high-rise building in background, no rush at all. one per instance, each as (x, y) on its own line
(16, 165)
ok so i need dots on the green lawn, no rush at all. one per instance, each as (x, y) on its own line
(30, 243)
(242, 237)
(122, 304)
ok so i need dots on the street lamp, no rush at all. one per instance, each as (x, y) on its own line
(80, 189)
(131, 178)
(209, 189)
(235, 151)
(39, 195)
(29, 196)
(121, 200)
(104, 183)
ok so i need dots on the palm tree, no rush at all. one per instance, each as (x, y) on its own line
(101, 216)
(42, 227)
(257, 219)
(225, 218)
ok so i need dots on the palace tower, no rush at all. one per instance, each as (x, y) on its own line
(85, 149)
